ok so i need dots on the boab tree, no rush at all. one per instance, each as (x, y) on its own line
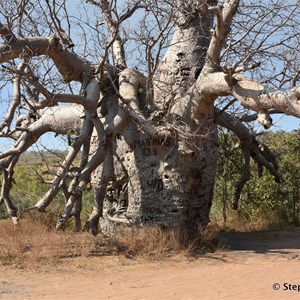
(140, 87)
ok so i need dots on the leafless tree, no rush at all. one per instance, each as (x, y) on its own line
(142, 86)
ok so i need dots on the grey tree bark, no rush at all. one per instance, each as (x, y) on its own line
(168, 180)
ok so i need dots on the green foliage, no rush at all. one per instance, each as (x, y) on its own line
(29, 188)
(262, 196)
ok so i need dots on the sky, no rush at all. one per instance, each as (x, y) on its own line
(286, 123)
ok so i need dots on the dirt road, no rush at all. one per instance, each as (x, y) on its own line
(255, 264)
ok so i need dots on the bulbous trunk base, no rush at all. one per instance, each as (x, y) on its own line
(156, 184)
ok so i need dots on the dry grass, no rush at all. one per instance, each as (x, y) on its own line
(35, 242)
(153, 242)
(238, 223)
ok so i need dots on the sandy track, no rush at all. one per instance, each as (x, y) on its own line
(247, 271)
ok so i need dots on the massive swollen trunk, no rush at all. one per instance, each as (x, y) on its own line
(167, 181)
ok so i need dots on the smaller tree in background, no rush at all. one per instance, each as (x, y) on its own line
(262, 196)
(228, 173)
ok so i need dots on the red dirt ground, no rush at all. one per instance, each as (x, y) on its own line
(250, 267)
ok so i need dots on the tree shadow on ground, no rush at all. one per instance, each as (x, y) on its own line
(262, 242)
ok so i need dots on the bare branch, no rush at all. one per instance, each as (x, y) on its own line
(129, 12)
(222, 29)
(70, 65)
(8, 36)
(113, 26)
(15, 101)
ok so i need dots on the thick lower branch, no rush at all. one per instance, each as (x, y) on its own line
(243, 180)
(249, 93)
(15, 101)
(5, 197)
(130, 81)
(56, 119)
(259, 152)
(100, 193)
